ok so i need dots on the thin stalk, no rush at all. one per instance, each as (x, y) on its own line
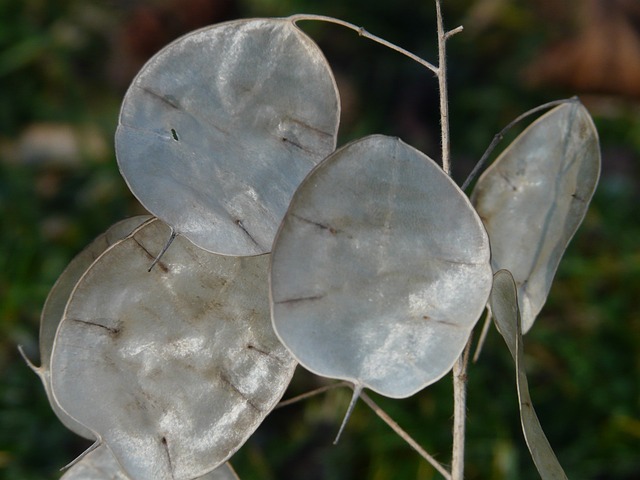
(460, 367)
(172, 237)
(312, 393)
(500, 135)
(380, 413)
(357, 390)
(363, 33)
(483, 335)
(459, 412)
(404, 435)
(442, 87)
(440, 70)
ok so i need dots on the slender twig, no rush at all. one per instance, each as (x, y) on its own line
(480, 165)
(459, 412)
(404, 435)
(172, 237)
(442, 86)
(453, 31)
(380, 413)
(363, 33)
(357, 390)
(483, 335)
(312, 393)
(30, 364)
(440, 70)
(460, 367)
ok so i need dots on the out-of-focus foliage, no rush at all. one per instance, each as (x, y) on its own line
(64, 66)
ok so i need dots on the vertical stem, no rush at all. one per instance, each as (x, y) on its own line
(442, 86)
(459, 412)
(460, 367)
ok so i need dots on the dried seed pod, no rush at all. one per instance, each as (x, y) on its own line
(172, 368)
(380, 269)
(219, 128)
(534, 196)
(57, 300)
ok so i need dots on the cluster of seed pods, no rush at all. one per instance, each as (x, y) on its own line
(365, 263)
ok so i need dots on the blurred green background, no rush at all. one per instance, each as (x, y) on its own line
(64, 67)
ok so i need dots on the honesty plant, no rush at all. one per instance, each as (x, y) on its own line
(170, 338)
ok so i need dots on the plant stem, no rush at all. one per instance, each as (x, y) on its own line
(172, 237)
(380, 413)
(404, 435)
(363, 33)
(440, 70)
(442, 87)
(483, 335)
(459, 412)
(460, 367)
(357, 390)
(312, 393)
(500, 135)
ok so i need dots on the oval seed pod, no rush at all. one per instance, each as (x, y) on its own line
(57, 300)
(219, 128)
(173, 368)
(380, 269)
(534, 196)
